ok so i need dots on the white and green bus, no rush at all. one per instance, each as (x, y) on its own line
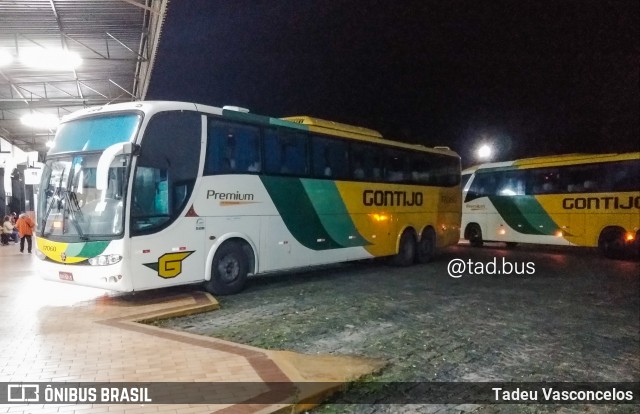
(145, 195)
(588, 200)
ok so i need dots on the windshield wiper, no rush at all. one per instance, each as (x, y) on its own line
(70, 206)
(73, 207)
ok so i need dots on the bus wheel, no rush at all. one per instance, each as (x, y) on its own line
(473, 233)
(426, 246)
(406, 251)
(611, 242)
(228, 270)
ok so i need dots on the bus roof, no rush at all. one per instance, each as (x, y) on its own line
(331, 127)
(555, 160)
(360, 133)
(576, 158)
(302, 122)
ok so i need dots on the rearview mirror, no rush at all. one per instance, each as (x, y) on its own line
(107, 157)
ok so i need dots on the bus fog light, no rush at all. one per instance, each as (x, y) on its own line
(105, 259)
(559, 233)
(629, 237)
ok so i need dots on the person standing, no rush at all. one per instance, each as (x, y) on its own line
(25, 229)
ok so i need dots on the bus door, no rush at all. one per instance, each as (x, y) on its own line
(166, 248)
(167, 236)
(485, 206)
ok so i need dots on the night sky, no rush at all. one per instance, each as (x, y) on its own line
(532, 77)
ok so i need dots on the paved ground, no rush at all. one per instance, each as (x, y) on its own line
(576, 318)
(53, 332)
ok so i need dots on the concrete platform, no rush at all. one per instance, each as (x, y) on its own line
(55, 332)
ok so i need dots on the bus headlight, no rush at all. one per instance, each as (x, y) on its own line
(105, 259)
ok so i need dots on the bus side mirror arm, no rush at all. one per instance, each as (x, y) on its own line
(107, 157)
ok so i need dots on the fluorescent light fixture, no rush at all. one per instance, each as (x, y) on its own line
(40, 121)
(5, 58)
(51, 59)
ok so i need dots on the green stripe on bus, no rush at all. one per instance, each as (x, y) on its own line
(261, 120)
(92, 249)
(524, 214)
(297, 212)
(74, 249)
(88, 249)
(288, 124)
(333, 214)
(246, 117)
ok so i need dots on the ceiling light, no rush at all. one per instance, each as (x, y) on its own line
(5, 58)
(51, 59)
(40, 121)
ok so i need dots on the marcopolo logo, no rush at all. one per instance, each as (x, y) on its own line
(598, 203)
(169, 264)
(381, 198)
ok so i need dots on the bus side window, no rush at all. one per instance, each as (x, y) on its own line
(484, 184)
(358, 169)
(229, 151)
(329, 157)
(625, 175)
(395, 166)
(165, 173)
(582, 178)
(365, 162)
(231, 148)
(544, 181)
(285, 152)
(247, 147)
(419, 169)
(511, 184)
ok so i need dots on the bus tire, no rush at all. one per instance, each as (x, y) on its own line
(426, 248)
(473, 233)
(406, 250)
(228, 270)
(611, 242)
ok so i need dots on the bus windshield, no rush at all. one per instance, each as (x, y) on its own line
(95, 133)
(71, 208)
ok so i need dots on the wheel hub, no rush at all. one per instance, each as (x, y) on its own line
(229, 268)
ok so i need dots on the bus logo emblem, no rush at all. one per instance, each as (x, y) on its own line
(63, 257)
(169, 265)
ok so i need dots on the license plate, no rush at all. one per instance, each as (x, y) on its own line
(65, 276)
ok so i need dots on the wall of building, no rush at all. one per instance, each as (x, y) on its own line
(15, 195)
